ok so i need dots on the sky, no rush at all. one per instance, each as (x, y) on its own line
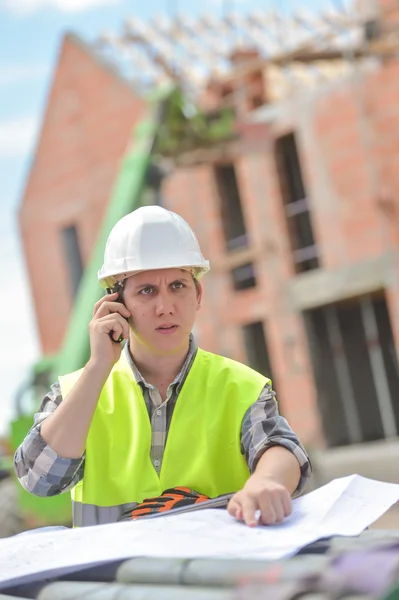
(30, 34)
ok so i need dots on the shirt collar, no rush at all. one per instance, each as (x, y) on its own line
(180, 377)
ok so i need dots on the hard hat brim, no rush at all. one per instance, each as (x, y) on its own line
(109, 280)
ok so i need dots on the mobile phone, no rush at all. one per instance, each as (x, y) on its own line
(111, 333)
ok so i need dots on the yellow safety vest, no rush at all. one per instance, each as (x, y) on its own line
(203, 445)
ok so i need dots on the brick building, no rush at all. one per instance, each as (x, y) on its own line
(298, 218)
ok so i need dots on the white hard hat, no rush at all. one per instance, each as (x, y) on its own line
(148, 238)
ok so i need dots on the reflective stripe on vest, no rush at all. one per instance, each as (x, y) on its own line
(203, 446)
(90, 514)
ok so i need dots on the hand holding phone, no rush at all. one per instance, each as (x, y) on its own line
(108, 323)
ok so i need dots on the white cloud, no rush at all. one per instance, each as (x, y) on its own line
(17, 136)
(13, 74)
(29, 6)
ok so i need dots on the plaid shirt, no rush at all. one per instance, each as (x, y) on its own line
(43, 473)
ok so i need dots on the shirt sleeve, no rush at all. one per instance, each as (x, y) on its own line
(38, 467)
(263, 427)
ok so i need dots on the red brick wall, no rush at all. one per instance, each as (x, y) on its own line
(358, 142)
(86, 129)
(358, 150)
(390, 11)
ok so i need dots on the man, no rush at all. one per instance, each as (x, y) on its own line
(159, 413)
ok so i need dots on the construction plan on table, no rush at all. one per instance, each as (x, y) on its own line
(344, 507)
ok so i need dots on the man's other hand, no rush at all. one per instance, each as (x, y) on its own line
(262, 501)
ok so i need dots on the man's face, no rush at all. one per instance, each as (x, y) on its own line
(163, 304)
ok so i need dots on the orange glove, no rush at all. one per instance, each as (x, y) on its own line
(172, 498)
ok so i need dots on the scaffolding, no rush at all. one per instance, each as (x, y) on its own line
(301, 49)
